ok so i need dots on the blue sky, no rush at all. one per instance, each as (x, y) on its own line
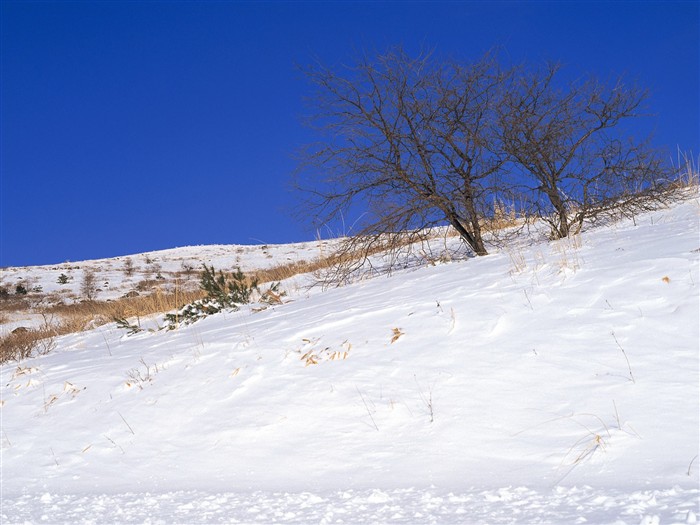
(136, 126)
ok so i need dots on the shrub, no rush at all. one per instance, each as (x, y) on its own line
(155, 268)
(63, 279)
(187, 269)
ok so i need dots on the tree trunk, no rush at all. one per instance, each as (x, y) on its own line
(474, 241)
(562, 229)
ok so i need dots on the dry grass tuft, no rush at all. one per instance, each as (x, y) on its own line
(26, 343)
(396, 334)
(504, 216)
(688, 170)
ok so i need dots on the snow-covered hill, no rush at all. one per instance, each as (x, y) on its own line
(115, 281)
(142, 273)
(551, 383)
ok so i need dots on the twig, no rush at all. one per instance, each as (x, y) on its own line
(54, 456)
(691, 463)
(617, 416)
(108, 348)
(367, 408)
(430, 405)
(626, 359)
(429, 401)
(127, 424)
(7, 438)
(115, 444)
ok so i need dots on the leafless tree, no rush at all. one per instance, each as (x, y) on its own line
(567, 141)
(88, 286)
(128, 267)
(414, 143)
(411, 140)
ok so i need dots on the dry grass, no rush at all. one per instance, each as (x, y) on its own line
(71, 318)
(62, 319)
(689, 170)
(87, 314)
(14, 303)
(25, 343)
(504, 216)
(287, 270)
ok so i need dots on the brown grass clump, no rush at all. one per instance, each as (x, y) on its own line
(504, 216)
(287, 270)
(25, 343)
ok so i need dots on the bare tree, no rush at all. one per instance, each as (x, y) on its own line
(414, 143)
(411, 140)
(128, 267)
(88, 286)
(566, 140)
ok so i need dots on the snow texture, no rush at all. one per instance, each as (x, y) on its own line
(547, 383)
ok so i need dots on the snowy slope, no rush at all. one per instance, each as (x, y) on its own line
(110, 272)
(547, 383)
(163, 269)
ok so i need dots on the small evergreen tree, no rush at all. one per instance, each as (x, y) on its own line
(224, 291)
(228, 290)
(63, 279)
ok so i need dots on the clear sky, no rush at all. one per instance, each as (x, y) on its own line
(135, 126)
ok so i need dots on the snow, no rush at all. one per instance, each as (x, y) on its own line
(508, 505)
(179, 267)
(546, 383)
(115, 283)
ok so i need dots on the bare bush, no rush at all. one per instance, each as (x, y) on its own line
(88, 286)
(414, 143)
(128, 267)
(410, 138)
(566, 142)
